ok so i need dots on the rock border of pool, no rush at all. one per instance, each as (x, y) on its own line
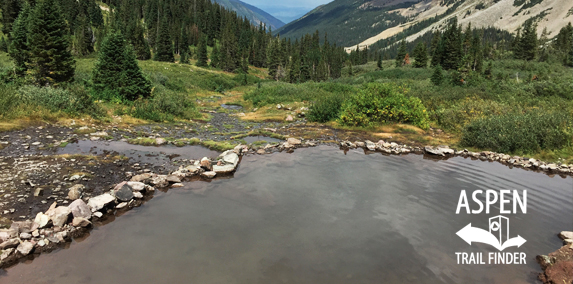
(59, 224)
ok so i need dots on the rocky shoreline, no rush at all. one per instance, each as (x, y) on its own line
(558, 266)
(62, 221)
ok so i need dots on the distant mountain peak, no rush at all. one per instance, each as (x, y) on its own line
(254, 14)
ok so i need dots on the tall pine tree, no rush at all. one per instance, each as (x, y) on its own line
(528, 41)
(50, 61)
(18, 49)
(163, 44)
(420, 56)
(202, 57)
(401, 54)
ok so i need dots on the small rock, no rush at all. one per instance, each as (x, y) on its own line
(60, 216)
(100, 201)
(209, 174)
(25, 248)
(76, 191)
(136, 186)
(205, 164)
(99, 134)
(39, 191)
(81, 222)
(124, 193)
(261, 151)
(294, 141)
(25, 236)
(160, 141)
(289, 118)
(566, 235)
(11, 243)
(6, 253)
(80, 209)
(142, 177)
(42, 220)
(173, 179)
(137, 195)
(121, 205)
(177, 185)
(98, 214)
(160, 181)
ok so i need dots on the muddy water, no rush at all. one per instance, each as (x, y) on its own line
(315, 216)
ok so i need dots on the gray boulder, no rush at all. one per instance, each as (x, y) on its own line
(25, 248)
(439, 151)
(76, 191)
(80, 209)
(98, 202)
(124, 193)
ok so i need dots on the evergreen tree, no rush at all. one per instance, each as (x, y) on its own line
(133, 84)
(350, 71)
(420, 56)
(50, 61)
(402, 52)
(215, 56)
(379, 62)
(10, 10)
(202, 56)
(528, 41)
(18, 49)
(184, 59)
(109, 65)
(117, 70)
(163, 44)
(437, 54)
(3, 44)
(516, 46)
(438, 75)
(451, 55)
(476, 53)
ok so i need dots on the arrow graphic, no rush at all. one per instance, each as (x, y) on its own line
(472, 234)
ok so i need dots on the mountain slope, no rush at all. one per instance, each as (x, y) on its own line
(348, 22)
(254, 14)
(365, 22)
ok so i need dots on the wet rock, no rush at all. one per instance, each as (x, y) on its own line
(173, 179)
(294, 141)
(230, 158)
(11, 243)
(145, 178)
(439, 151)
(566, 235)
(136, 186)
(80, 209)
(25, 248)
(98, 214)
(370, 145)
(177, 185)
(100, 201)
(160, 181)
(124, 193)
(359, 144)
(60, 216)
(137, 195)
(241, 149)
(6, 253)
(209, 174)
(205, 164)
(121, 205)
(81, 222)
(75, 177)
(261, 151)
(223, 168)
(160, 141)
(42, 220)
(76, 191)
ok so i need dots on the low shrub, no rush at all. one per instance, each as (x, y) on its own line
(519, 133)
(165, 105)
(381, 103)
(325, 108)
(74, 100)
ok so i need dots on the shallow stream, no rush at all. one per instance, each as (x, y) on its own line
(318, 215)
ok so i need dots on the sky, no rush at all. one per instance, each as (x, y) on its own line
(286, 10)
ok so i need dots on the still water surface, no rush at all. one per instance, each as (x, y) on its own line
(316, 216)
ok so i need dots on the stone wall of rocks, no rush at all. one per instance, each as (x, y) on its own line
(558, 265)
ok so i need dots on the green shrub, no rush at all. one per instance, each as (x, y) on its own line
(279, 92)
(74, 100)
(380, 103)
(9, 101)
(524, 132)
(165, 105)
(325, 108)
